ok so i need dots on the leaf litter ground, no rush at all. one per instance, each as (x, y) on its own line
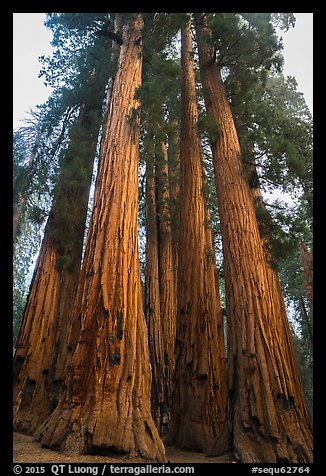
(27, 451)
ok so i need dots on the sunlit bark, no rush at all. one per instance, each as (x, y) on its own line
(199, 393)
(106, 404)
(267, 417)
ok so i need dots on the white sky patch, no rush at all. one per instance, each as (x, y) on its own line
(31, 39)
(298, 54)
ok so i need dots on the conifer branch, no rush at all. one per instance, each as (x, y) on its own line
(112, 35)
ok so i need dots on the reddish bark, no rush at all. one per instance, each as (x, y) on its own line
(267, 417)
(199, 394)
(106, 405)
(42, 344)
(152, 299)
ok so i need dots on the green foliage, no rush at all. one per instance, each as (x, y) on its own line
(160, 89)
(78, 71)
(76, 164)
(284, 21)
(31, 168)
(305, 364)
(246, 39)
(26, 247)
(291, 274)
(209, 125)
(159, 31)
(275, 131)
(76, 43)
(19, 157)
(279, 230)
(274, 121)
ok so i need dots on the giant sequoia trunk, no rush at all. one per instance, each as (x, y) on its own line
(38, 350)
(267, 416)
(168, 299)
(174, 192)
(199, 394)
(152, 298)
(41, 348)
(106, 405)
(160, 295)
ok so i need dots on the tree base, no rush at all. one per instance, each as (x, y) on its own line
(69, 430)
(250, 446)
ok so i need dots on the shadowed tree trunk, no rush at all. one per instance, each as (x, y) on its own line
(152, 297)
(307, 262)
(267, 417)
(18, 209)
(41, 348)
(199, 394)
(174, 192)
(18, 213)
(168, 298)
(160, 305)
(106, 404)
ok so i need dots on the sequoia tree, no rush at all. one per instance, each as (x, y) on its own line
(199, 390)
(160, 294)
(174, 189)
(168, 296)
(160, 266)
(45, 342)
(267, 420)
(152, 300)
(106, 403)
(41, 351)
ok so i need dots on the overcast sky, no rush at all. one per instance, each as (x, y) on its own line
(29, 90)
(298, 54)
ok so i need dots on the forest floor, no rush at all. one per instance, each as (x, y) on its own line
(27, 451)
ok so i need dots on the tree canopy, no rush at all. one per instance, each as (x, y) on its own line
(70, 130)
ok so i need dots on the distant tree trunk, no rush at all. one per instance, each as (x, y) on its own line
(41, 348)
(307, 262)
(152, 297)
(199, 393)
(168, 296)
(18, 211)
(174, 191)
(36, 354)
(160, 294)
(267, 416)
(106, 404)
(115, 51)
(307, 324)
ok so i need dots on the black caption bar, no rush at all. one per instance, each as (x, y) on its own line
(137, 469)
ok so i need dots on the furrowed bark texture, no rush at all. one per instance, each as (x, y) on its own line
(41, 348)
(152, 298)
(39, 352)
(267, 416)
(168, 298)
(199, 394)
(106, 405)
(174, 191)
(160, 304)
